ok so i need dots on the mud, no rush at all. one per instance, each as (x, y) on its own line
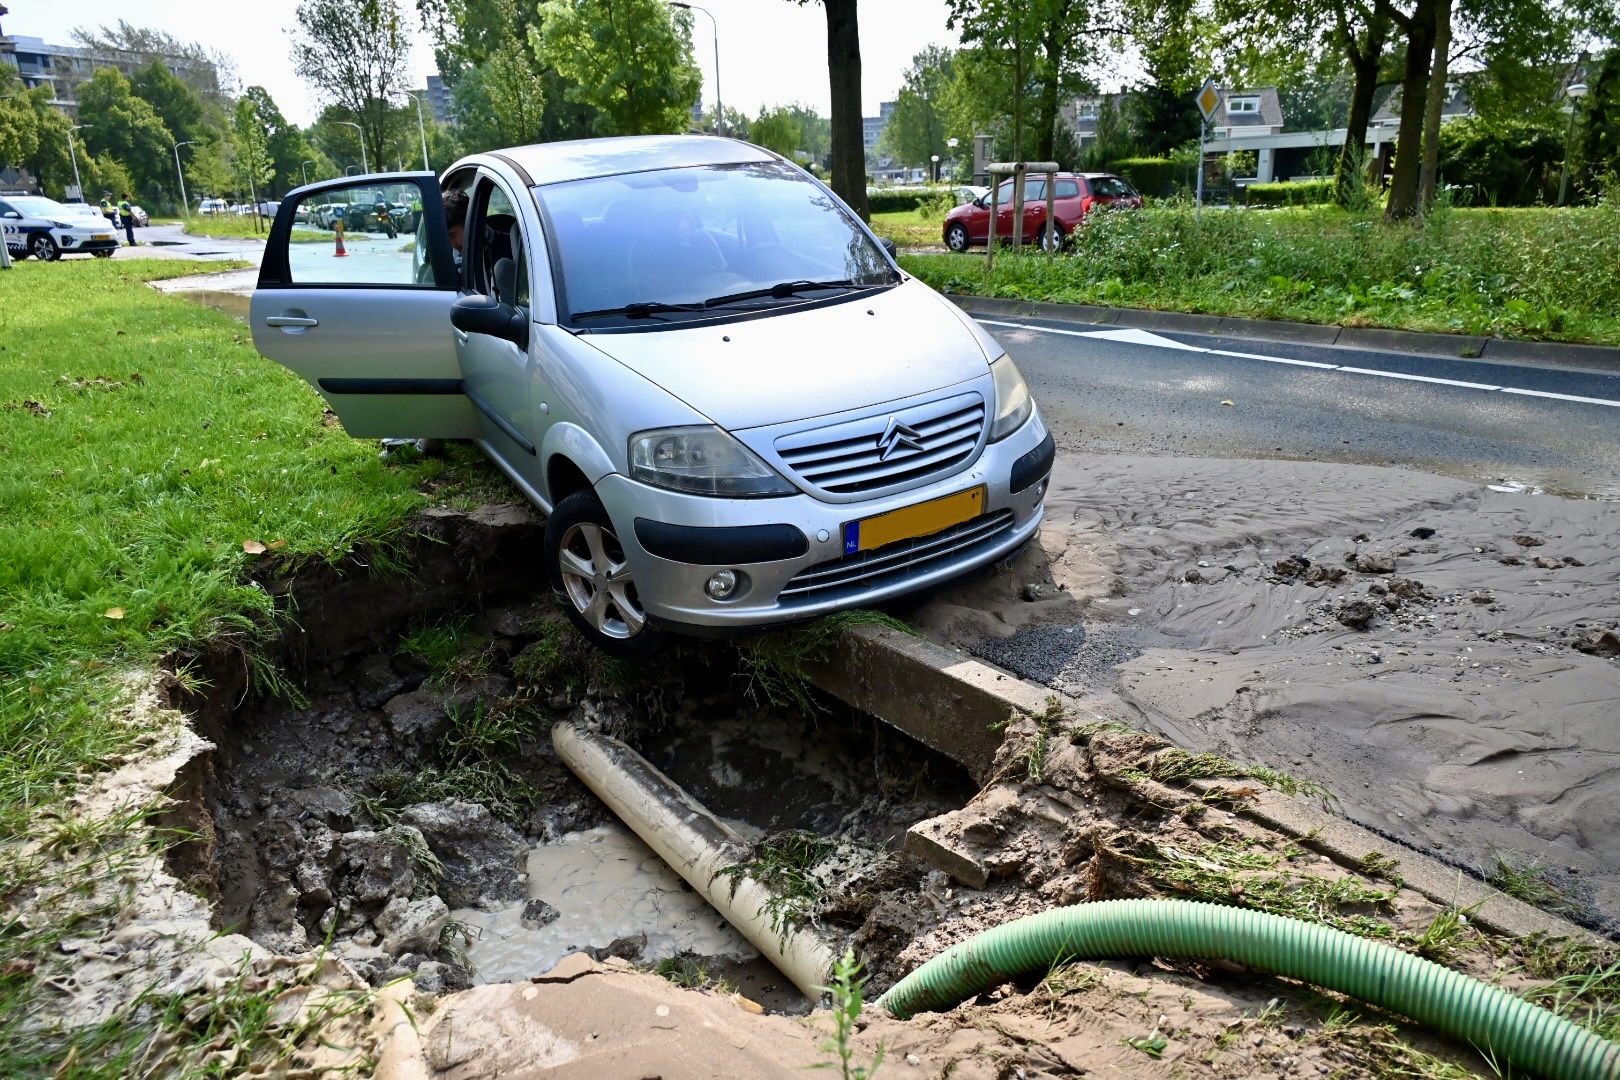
(1438, 654)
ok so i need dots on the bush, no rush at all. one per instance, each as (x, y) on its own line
(1151, 176)
(882, 201)
(1511, 163)
(1291, 193)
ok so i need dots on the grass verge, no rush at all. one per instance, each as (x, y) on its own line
(149, 458)
(1544, 274)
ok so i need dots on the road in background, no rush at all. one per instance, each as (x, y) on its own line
(1133, 391)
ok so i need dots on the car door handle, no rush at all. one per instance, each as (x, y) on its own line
(291, 320)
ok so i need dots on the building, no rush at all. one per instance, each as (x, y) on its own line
(1457, 106)
(1084, 113)
(63, 68)
(1257, 111)
(872, 126)
(438, 98)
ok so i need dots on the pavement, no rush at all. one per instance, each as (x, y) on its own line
(1521, 425)
(170, 242)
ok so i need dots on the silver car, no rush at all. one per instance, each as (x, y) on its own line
(734, 409)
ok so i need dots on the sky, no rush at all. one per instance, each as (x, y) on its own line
(772, 52)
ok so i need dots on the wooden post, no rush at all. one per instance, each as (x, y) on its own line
(1018, 206)
(995, 208)
(1051, 216)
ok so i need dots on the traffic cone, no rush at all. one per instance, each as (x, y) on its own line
(337, 228)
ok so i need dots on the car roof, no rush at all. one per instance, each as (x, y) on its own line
(551, 163)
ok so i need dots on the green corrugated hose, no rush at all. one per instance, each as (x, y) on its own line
(1500, 1025)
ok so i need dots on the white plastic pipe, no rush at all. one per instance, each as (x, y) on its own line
(696, 844)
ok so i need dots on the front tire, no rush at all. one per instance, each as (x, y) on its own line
(43, 248)
(588, 570)
(956, 237)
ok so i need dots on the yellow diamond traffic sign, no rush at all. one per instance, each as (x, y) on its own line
(1209, 99)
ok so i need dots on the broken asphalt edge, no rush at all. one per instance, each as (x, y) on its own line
(957, 704)
(1596, 358)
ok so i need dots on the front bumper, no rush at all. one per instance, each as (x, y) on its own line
(76, 243)
(822, 579)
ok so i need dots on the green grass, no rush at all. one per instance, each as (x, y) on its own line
(782, 863)
(911, 228)
(773, 662)
(1173, 765)
(216, 225)
(143, 441)
(1528, 881)
(1546, 274)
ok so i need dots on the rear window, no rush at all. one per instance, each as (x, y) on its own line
(1111, 187)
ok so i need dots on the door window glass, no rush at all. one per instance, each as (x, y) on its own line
(500, 266)
(1004, 192)
(1034, 190)
(1068, 189)
(1111, 187)
(372, 233)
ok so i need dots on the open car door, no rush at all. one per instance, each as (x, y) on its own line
(361, 308)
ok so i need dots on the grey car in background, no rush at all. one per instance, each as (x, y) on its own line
(734, 409)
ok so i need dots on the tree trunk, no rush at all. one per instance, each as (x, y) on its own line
(844, 73)
(1403, 182)
(1018, 91)
(1365, 60)
(1430, 173)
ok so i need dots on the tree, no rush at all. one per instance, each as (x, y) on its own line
(776, 130)
(251, 138)
(353, 52)
(517, 94)
(916, 130)
(629, 59)
(19, 127)
(848, 132)
(286, 148)
(126, 129)
(1600, 123)
(209, 74)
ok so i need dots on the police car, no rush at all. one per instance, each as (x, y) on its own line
(47, 230)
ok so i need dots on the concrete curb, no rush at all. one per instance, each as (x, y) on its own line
(1598, 358)
(949, 702)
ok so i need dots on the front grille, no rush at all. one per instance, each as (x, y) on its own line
(894, 561)
(846, 459)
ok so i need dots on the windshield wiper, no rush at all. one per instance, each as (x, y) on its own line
(635, 311)
(784, 289)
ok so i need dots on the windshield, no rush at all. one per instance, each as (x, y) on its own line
(35, 206)
(710, 233)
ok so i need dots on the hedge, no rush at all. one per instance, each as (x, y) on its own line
(1291, 193)
(1149, 175)
(881, 201)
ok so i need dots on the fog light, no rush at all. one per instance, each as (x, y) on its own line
(721, 584)
(1040, 491)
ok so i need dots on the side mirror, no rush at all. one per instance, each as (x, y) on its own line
(888, 245)
(476, 314)
(12, 214)
(980, 203)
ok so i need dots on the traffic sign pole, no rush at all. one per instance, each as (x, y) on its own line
(1209, 99)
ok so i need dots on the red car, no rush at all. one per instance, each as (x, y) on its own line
(1076, 196)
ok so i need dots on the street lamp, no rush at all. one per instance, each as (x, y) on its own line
(935, 159)
(1575, 92)
(305, 169)
(719, 109)
(421, 129)
(74, 156)
(365, 164)
(185, 204)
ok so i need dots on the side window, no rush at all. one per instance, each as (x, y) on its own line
(1035, 190)
(1068, 189)
(370, 233)
(498, 264)
(1004, 193)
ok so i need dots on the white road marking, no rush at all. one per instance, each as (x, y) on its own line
(1146, 337)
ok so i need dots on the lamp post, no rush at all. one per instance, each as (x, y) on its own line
(185, 204)
(934, 158)
(421, 128)
(74, 157)
(304, 168)
(365, 164)
(719, 109)
(1575, 92)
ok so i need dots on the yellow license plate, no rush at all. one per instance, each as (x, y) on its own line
(102, 236)
(909, 522)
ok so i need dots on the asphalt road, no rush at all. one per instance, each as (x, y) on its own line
(1134, 391)
(168, 241)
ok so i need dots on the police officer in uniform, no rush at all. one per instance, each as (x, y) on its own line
(127, 212)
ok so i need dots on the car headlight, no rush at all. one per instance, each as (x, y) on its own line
(1013, 403)
(702, 461)
(61, 225)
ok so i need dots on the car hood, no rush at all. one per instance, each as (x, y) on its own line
(801, 363)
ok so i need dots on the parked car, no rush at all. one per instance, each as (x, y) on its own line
(966, 193)
(210, 207)
(1075, 196)
(47, 229)
(732, 407)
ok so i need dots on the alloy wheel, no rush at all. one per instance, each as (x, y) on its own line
(44, 248)
(598, 581)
